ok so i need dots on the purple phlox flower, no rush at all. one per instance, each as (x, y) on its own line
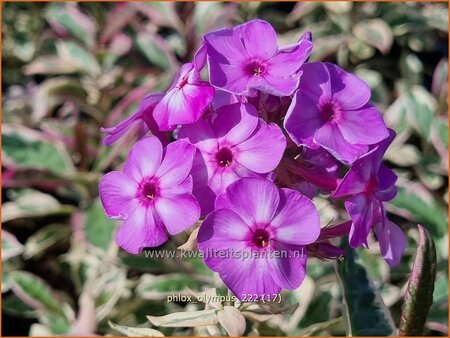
(142, 119)
(232, 143)
(370, 183)
(152, 194)
(223, 98)
(331, 109)
(256, 237)
(187, 99)
(309, 171)
(247, 58)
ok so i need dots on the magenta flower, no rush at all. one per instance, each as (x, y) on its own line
(233, 143)
(330, 109)
(142, 117)
(152, 193)
(256, 237)
(246, 57)
(187, 99)
(371, 183)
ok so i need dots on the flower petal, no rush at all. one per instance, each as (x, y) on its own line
(222, 230)
(254, 199)
(249, 277)
(143, 114)
(177, 163)
(140, 230)
(184, 105)
(275, 85)
(201, 190)
(330, 138)
(353, 126)
(201, 135)
(178, 213)
(386, 179)
(392, 241)
(315, 81)
(303, 118)
(297, 220)
(144, 158)
(118, 194)
(288, 61)
(259, 39)
(289, 270)
(361, 209)
(262, 151)
(348, 90)
(234, 123)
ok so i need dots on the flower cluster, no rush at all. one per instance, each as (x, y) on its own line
(244, 146)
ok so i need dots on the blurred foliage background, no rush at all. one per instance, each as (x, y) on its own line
(70, 68)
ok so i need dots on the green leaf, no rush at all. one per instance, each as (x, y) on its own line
(73, 20)
(11, 247)
(28, 149)
(376, 33)
(45, 238)
(136, 331)
(156, 50)
(98, 228)
(419, 293)
(75, 54)
(426, 213)
(364, 309)
(32, 203)
(157, 287)
(186, 319)
(34, 292)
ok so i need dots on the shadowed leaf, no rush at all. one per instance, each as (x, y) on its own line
(364, 309)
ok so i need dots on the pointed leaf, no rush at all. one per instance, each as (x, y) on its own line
(11, 247)
(186, 319)
(135, 331)
(419, 293)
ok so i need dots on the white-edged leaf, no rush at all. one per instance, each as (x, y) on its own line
(135, 331)
(45, 238)
(11, 247)
(376, 33)
(186, 319)
(232, 321)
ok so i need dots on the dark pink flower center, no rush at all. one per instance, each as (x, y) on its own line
(372, 185)
(261, 238)
(330, 112)
(255, 68)
(149, 190)
(182, 82)
(224, 157)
